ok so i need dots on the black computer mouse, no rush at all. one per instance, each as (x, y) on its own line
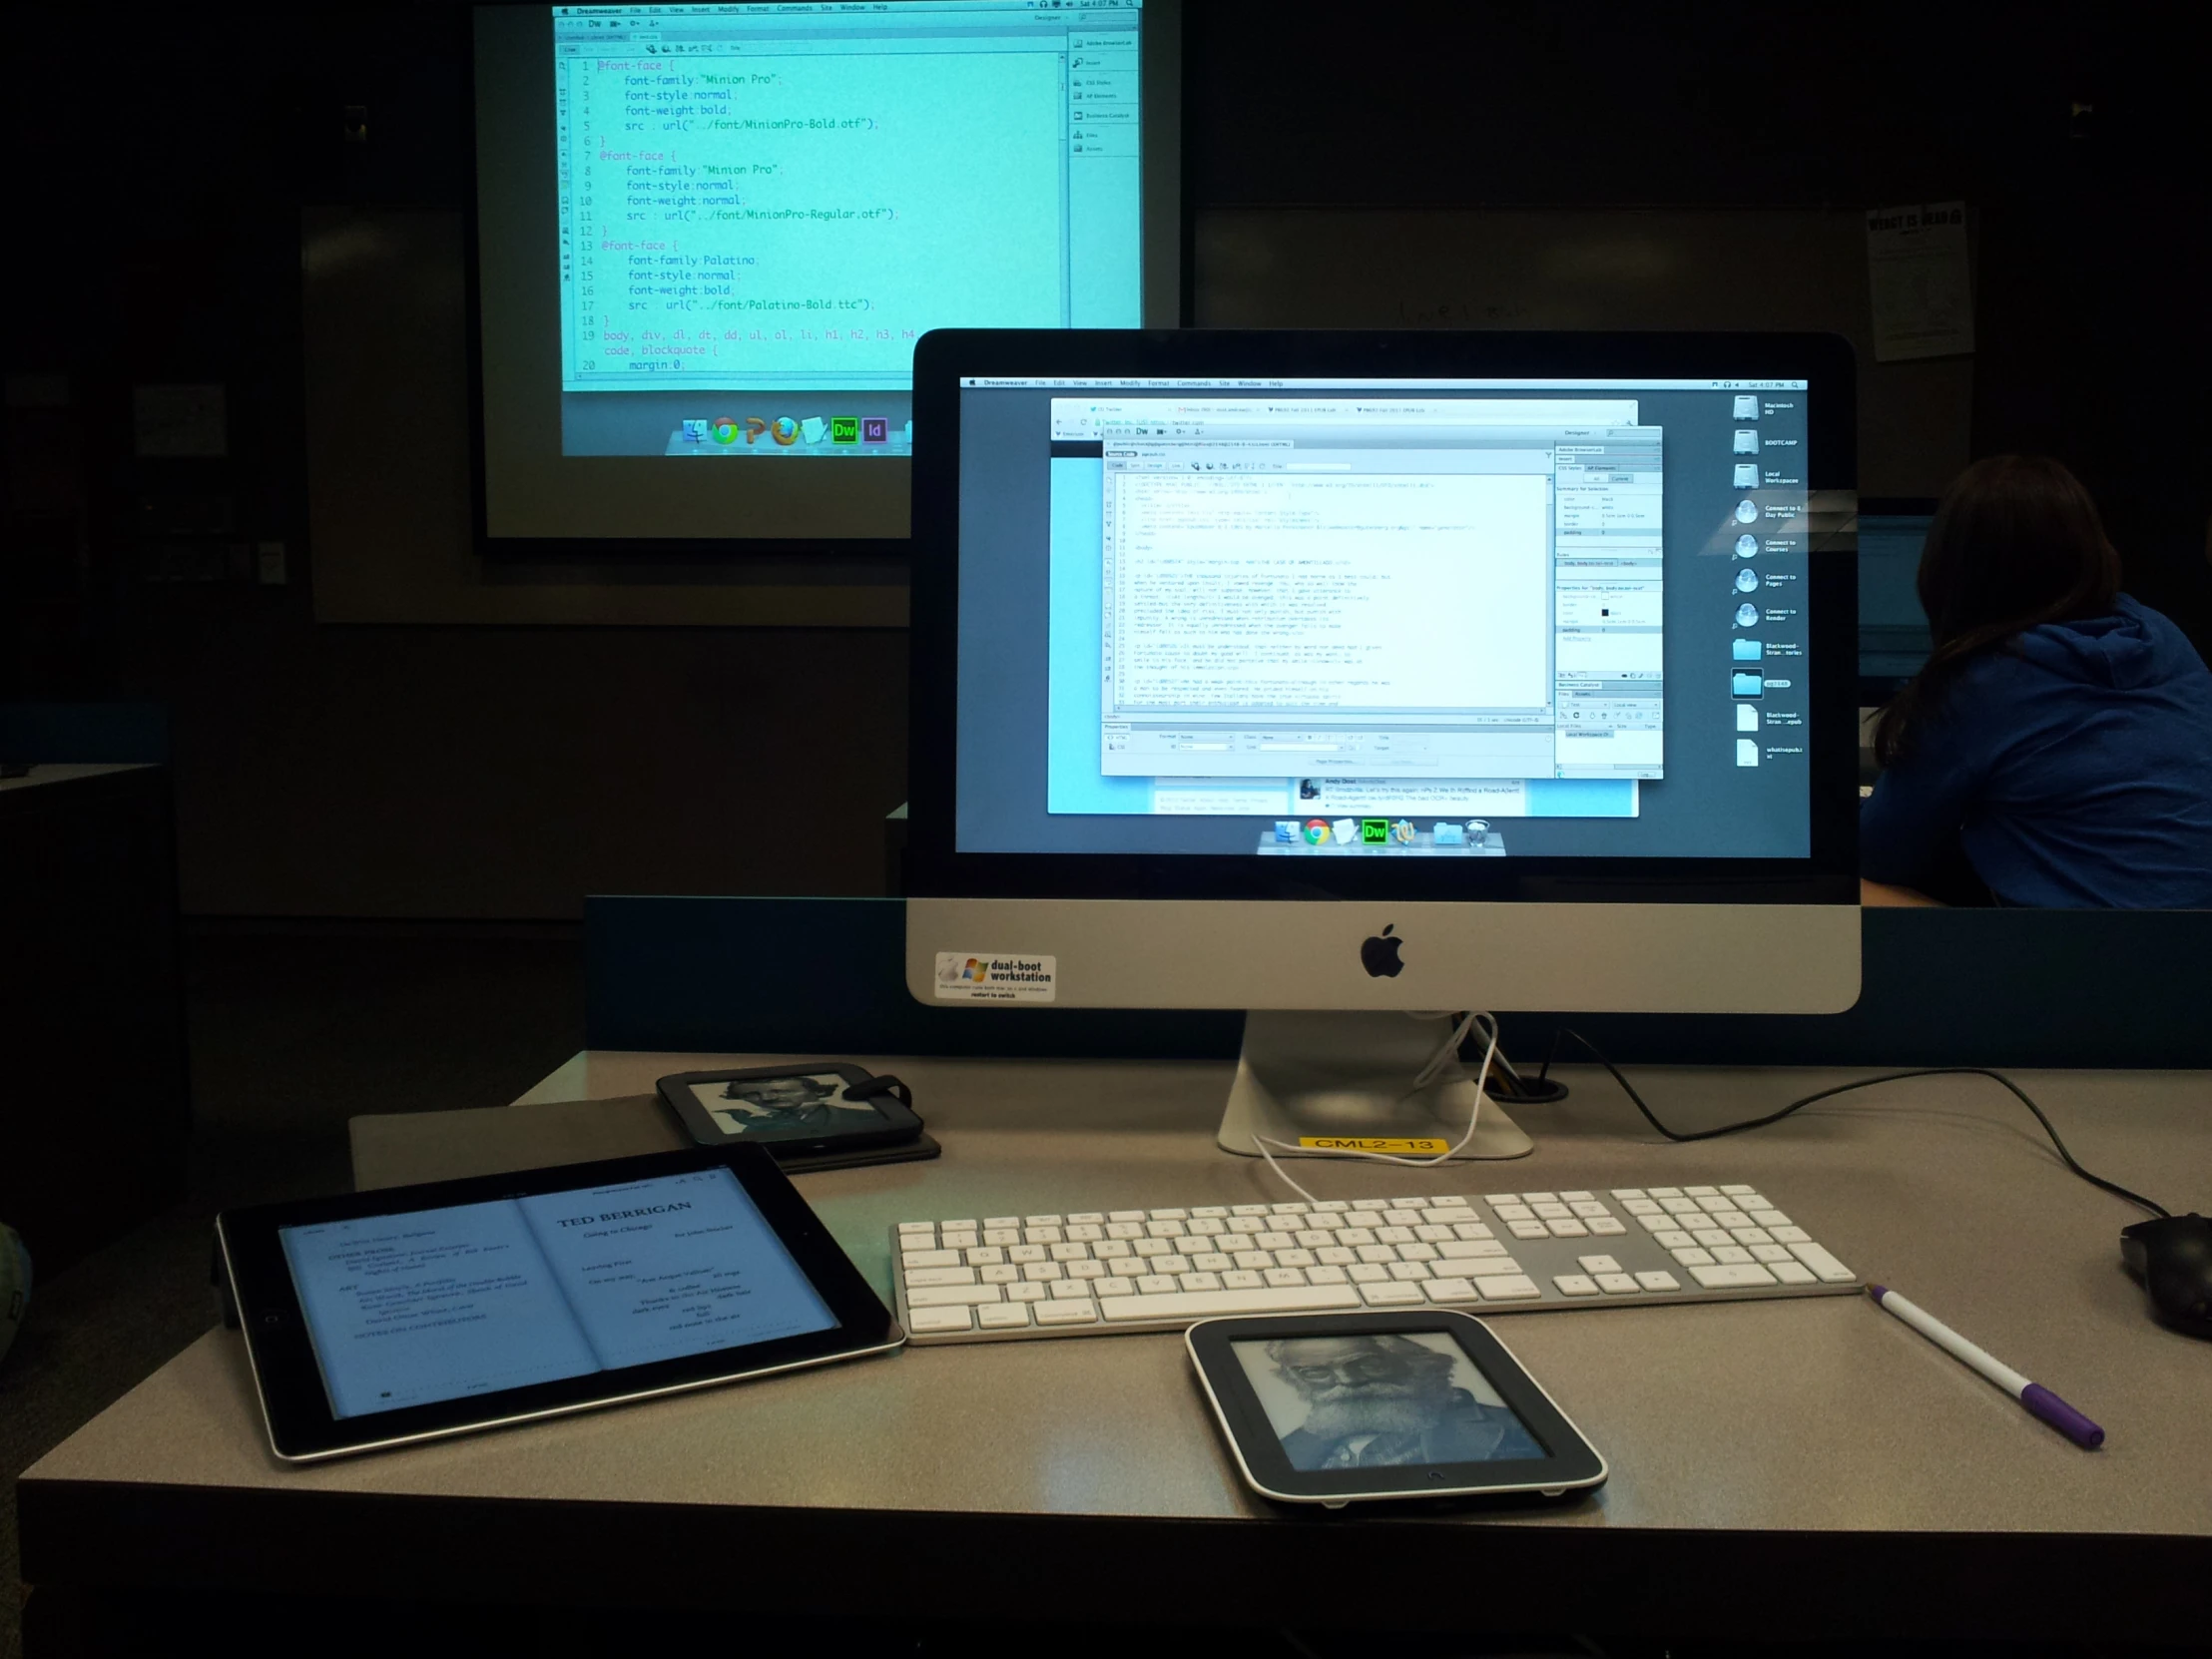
(2172, 1256)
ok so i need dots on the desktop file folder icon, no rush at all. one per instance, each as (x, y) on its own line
(1747, 718)
(1746, 685)
(1747, 752)
(1747, 475)
(1746, 651)
(1747, 406)
(1746, 443)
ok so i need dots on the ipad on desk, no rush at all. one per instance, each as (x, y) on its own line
(412, 1312)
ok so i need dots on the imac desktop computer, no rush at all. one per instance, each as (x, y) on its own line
(1338, 677)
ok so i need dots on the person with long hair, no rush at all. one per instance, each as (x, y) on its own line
(2059, 733)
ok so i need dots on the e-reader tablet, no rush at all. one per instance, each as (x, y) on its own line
(1338, 1408)
(412, 1312)
(827, 1107)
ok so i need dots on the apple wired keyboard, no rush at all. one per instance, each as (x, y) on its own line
(1090, 1273)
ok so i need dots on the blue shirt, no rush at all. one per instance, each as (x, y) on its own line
(2074, 763)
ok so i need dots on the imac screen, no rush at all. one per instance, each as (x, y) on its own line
(1329, 619)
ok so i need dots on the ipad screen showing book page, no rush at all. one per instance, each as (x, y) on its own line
(435, 1304)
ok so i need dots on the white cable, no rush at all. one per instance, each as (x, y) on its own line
(1422, 1079)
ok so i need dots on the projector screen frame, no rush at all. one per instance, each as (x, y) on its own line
(808, 556)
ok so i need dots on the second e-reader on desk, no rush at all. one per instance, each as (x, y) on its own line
(1806, 1466)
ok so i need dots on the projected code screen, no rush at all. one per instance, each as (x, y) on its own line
(779, 199)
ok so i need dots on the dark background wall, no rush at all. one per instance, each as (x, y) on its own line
(159, 160)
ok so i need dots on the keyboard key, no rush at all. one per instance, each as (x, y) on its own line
(1731, 1276)
(1022, 1252)
(1084, 1233)
(1113, 1284)
(1248, 1209)
(1353, 1237)
(1710, 1236)
(1539, 1198)
(1790, 1273)
(1237, 1279)
(1680, 1206)
(1642, 1207)
(1738, 1188)
(926, 1226)
(1658, 1280)
(1277, 1277)
(1204, 1281)
(1071, 1290)
(1366, 1273)
(1589, 1209)
(1786, 1234)
(1086, 1218)
(1271, 1241)
(1711, 1201)
(1125, 1215)
(928, 1320)
(1551, 1211)
(1174, 1264)
(1673, 1239)
(1376, 1252)
(1337, 1256)
(1026, 1291)
(1390, 1296)
(1041, 1272)
(1508, 1288)
(950, 1296)
(1323, 1275)
(1298, 1257)
(1153, 1284)
(1451, 1289)
(1212, 1262)
(1040, 1234)
(932, 1258)
(1666, 1192)
(1430, 1232)
(1825, 1266)
(1574, 1284)
(1067, 1312)
(1470, 1250)
(1732, 1253)
(1289, 1207)
(916, 1277)
(1598, 1264)
(1660, 1225)
(1513, 1212)
(1568, 1229)
(1694, 1257)
(1408, 1271)
(1107, 1249)
(1770, 1252)
(1004, 1272)
(1002, 1235)
(1471, 1229)
(1196, 1305)
(1168, 1214)
(1616, 1284)
(1768, 1218)
(1626, 1192)
(1003, 1316)
(966, 1225)
(1576, 1197)
(1528, 1229)
(1751, 1235)
(1701, 1192)
(1070, 1252)
(1259, 1261)
(1394, 1235)
(1170, 1229)
(985, 1256)
(1607, 1227)
(1416, 1252)
(1370, 1204)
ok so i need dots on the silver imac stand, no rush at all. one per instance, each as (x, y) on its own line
(1346, 1078)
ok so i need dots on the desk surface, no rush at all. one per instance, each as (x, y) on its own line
(1849, 1444)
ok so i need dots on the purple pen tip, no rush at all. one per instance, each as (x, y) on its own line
(1878, 1292)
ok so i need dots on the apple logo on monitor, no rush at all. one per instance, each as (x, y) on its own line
(1378, 954)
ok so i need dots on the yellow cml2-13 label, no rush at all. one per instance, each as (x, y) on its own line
(1372, 1143)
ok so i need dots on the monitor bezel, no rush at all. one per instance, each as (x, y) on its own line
(934, 867)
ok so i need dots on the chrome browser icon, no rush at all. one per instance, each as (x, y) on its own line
(1317, 831)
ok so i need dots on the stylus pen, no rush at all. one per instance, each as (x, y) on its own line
(2033, 1396)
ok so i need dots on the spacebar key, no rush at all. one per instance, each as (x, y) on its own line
(1196, 1305)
